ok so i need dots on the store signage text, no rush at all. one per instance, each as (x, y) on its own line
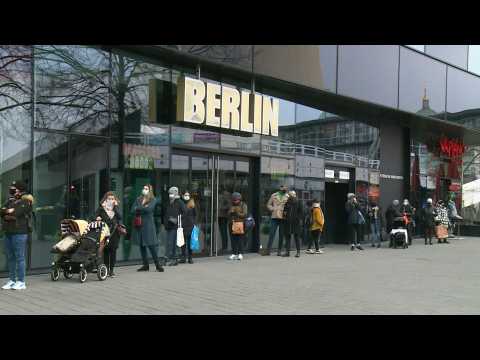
(221, 106)
(392, 177)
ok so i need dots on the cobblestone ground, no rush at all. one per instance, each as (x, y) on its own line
(438, 279)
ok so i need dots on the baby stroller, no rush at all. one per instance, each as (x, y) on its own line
(399, 233)
(80, 250)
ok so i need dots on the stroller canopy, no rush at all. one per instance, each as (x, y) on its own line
(69, 226)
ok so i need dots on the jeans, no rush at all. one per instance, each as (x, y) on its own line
(429, 232)
(288, 240)
(356, 229)
(375, 228)
(237, 244)
(172, 244)
(15, 249)
(153, 251)
(274, 225)
(314, 237)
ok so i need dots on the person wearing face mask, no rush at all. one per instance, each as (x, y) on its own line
(393, 211)
(109, 213)
(375, 216)
(276, 205)
(408, 211)
(237, 214)
(144, 231)
(16, 216)
(429, 214)
(355, 221)
(175, 208)
(188, 222)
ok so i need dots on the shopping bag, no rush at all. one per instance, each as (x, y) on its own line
(180, 238)
(238, 228)
(194, 239)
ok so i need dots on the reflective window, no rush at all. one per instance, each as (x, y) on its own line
(463, 102)
(417, 47)
(474, 58)
(453, 54)
(15, 121)
(369, 72)
(309, 65)
(72, 88)
(422, 84)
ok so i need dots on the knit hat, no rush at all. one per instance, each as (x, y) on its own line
(236, 196)
(173, 190)
(350, 195)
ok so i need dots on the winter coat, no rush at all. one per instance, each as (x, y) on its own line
(408, 209)
(276, 203)
(392, 213)
(20, 221)
(371, 215)
(237, 213)
(146, 235)
(188, 218)
(353, 212)
(429, 214)
(443, 215)
(293, 216)
(173, 210)
(112, 224)
(318, 220)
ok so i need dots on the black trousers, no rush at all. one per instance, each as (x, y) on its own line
(237, 244)
(314, 238)
(223, 225)
(110, 257)
(356, 231)
(186, 248)
(288, 238)
(429, 232)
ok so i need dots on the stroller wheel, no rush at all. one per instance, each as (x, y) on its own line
(83, 275)
(67, 274)
(102, 272)
(55, 274)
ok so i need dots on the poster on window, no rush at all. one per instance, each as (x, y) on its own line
(374, 193)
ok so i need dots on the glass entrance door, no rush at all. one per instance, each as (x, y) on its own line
(211, 180)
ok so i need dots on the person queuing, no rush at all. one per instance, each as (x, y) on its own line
(441, 229)
(393, 212)
(375, 217)
(188, 222)
(316, 228)
(275, 205)
(409, 211)
(293, 217)
(429, 214)
(223, 207)
(355, 221)
(237, 214)
(16, 217)
(109, 213)
(144, 231)
(176, 208)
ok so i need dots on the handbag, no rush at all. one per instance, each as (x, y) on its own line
(238, 228)
(249, 223)
(194, 239)
(137, 221)
(122, 230)
(180, 237)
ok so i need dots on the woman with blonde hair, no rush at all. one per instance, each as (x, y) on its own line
(109, 213)
(188, 222)
(144, 230)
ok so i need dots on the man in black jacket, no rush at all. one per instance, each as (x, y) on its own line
(293, 217)
(356, 221)
(429, 213)
(16, 217)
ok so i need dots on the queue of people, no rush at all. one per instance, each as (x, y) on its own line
(288, 216)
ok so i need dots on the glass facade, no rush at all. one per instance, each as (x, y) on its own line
(77, 121)
(453, 54)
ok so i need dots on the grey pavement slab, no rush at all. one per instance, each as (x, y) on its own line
(438, 279)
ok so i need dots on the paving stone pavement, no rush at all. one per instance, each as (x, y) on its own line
(438, 279)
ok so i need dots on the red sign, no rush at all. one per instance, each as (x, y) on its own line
(451, 147)
(454, 187)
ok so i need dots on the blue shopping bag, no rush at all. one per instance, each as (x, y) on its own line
(194, 239)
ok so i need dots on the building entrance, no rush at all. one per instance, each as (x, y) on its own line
(211, 179)
(335, 215)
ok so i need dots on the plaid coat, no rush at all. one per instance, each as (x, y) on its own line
(443, 215)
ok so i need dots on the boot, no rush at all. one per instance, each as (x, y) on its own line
(159, 267)
(144, 268)
(190, 261)
(182, 261)
(297, 254)
(287, 254)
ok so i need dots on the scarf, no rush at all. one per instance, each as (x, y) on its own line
(109, 210)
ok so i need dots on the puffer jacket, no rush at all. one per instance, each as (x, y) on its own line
(276, 205)
(20, 221)
(318, 220)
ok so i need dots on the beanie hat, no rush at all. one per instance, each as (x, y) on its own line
(173, 190)
(350, 195)
(236, 196)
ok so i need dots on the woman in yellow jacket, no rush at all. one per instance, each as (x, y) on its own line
(316, 227)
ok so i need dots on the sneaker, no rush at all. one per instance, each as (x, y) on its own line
(190, 261)
(373, 245)
(19, 285)
(359, 247)
(232, 257)
(352, 247)
(239, 257)
(297, 254)
(379, 246)
(310, 251)
(319, 252)
(8, 285)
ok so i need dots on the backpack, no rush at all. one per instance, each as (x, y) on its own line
(249, 223)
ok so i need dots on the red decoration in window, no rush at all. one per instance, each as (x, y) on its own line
(451, 147)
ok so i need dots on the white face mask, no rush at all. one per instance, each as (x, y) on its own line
(186, 197)
(109, 202)
(405, 203)
(171, 196)
(145, 192)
